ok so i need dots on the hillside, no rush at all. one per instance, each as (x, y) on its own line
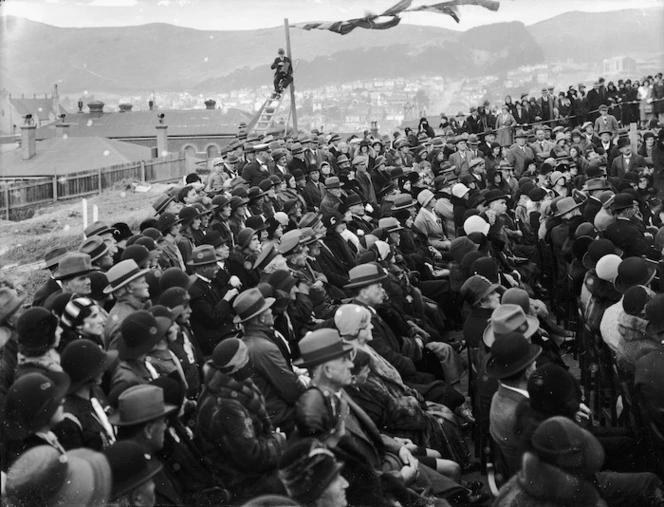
(34, 56)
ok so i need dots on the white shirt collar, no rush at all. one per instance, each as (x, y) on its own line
(516, 389)
(207, 280)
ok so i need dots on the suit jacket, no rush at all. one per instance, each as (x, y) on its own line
(368, 192)
(618, 168)
(433, 230)
(313, 194)
(254, 173)
(502, 426)
(333, 267)
(542, 150)
(520, 158)
(50, 286)
(211, 316)
(627, 236)
(546, 107)
(475, 125)
(461, 162)
(608, 122)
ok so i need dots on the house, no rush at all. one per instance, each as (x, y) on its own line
(44, 110)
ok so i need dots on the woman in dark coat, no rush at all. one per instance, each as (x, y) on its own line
(336, 243)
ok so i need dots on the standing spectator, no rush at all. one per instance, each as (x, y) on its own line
(658, 98)
(504, 123)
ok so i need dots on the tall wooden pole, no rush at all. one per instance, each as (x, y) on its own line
(292, 85)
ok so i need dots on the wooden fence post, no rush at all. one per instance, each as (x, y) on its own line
(7, 200)
(55, 188)
(143, 171)
(100, 182)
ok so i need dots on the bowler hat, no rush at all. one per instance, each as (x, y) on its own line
(622, 201)
(553, 390)
(188, 214)
(598, 249)
(130, 467)
(138, 253)
(508, 319)
(364, 275)
(174, 277)
(10, 302)
(560, 442)
(256, 223)
(140, 404)
(511, 354)
(97, 229)
(31, 401)
(140, 332)
(122, 273)
(476, 288)
(306, 469)
(352, 200)
(84, 361)
(566, 205)
(53, 257)
(320, 346)
(633, 271)
(623, 142)
(203, 255)
(493, 195)
(249, 304)
(73, 265)
(166, 221)
(161, 203)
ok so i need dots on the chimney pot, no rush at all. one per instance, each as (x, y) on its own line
(125, 108)
(96, 108)
(210, 104)
(28, 141)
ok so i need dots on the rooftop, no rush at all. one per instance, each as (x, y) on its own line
(65, 155)
(38, 108)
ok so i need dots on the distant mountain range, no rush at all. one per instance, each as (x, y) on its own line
(125, 60)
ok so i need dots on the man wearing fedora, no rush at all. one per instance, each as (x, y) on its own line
(520, 155)
(271, 373)
(211, 315)
(462, 157)
(313, 188)
(627, 161)
(127, 284)
(73, 276)
(511, 362)
(594, 187)
(51, 259)
(625, 233)
(141, 418)
(332, 198)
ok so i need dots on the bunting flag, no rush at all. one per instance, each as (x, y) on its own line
(391, 17)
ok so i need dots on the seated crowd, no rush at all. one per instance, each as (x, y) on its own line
(328, 322)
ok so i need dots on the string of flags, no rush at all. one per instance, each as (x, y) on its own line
(392, 16)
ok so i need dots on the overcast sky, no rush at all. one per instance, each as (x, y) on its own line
(251, 14)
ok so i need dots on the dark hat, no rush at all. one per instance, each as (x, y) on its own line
(147, 242)
(623, 142)
(73, 265)
(256, 223)
(10, 302)
(31, 401)
(249, 304)
(520, 133)
(291, 204)
(174, 277)
(597, 184)
(312, 168)
(364, 275)
(486, 267)
(237, 201)
(553, 390)
(36, 331)
(282, 280)
(140, 332)
(54, 256)
(266, 185)
(97, 229)
(320, 346)
(188, 214)
(140, 404)
(203, 255)
(166, 221)
(461, 246)
(493, 195)
(476, 288)
(633, 271)
(622, 201)
(84, 361)
(516, 296)
(654, 314)
(215, 239)
(332, 182)
(173, 298)
(537, 194)
(561, 442)
(245, 236)
(580, 246)
(333, 219)
(220, 201)
(123, 273)
(585, 229)
(511, 354)
(138, 253)
(130, 467)
(598, 249)
(306, 469)
(230, 355)
(506, 319)
(352, 200)
(161, 202)
(255, 193)
(635, 300)
(296, 149)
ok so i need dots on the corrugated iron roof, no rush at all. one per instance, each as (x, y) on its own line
(39, 108)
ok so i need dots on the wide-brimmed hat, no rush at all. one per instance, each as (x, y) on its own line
(202, 256)
(622, 201)
(598, 249)
(123, 273)
(389, 224)
(320, 346)
(634, 271)
(10, 302)
(31, 402)
(365, 274)
(562, 443)
(425, 197)
(510, 354)
(597, 184)
(97, 229)
(565, 205)
(520, 133)
(83, 361)
(140, 404)
(403, 201)
(73, 265)
(249, 304)
(476, 288)
(53, 257)
(166, 221)
(161, 202)
(130, 466)
(95, 247)
(140, 332)
(508, 319)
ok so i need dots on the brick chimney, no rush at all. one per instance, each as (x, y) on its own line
(374, 128)
(96, 108)
(125, 108)
(210, 104)
(162, 140)
(28, 141)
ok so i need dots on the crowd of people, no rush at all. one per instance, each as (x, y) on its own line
(326, 321)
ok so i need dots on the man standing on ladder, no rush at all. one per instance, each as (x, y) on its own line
(283, 74)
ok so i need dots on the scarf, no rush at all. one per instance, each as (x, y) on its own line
(50, 360)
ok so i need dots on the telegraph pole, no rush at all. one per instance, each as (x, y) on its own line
(292, 85)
